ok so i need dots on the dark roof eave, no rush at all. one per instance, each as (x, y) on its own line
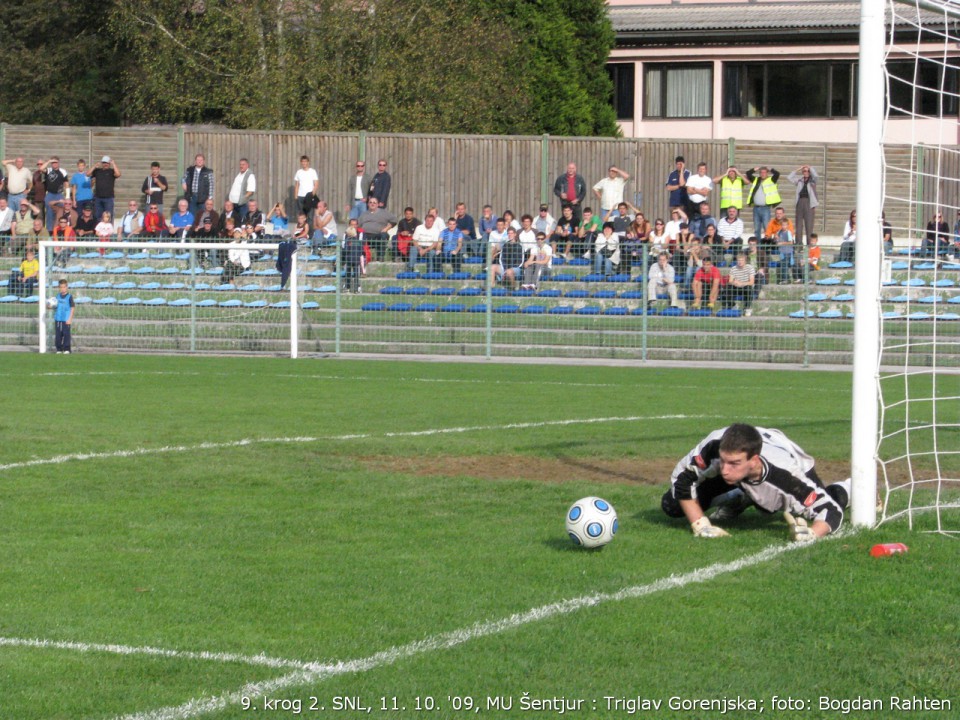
(664, 37)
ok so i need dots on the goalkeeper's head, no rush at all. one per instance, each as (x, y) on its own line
(739, 450)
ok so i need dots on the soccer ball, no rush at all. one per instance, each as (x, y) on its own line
(51, 302)
(591, 522)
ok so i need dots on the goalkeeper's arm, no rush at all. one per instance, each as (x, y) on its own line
(700, 524)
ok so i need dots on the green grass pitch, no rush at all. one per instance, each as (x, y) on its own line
(249, 538)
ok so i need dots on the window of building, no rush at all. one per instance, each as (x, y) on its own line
(926, 88)
(623, 77)
(677, 91)
(788, 89)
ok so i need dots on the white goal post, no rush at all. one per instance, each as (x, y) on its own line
(162, 261)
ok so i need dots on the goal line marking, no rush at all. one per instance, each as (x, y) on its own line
(319, 672)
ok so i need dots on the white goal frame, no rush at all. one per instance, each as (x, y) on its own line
(125, 245)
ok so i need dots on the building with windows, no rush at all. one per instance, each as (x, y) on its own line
(764, 70)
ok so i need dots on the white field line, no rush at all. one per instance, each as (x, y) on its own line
(259, 660)
(319, 672)
(139, 452)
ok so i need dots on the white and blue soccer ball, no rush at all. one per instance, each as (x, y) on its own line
(52, 302)
(591, 522)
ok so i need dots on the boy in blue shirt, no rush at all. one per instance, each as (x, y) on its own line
(63, 318)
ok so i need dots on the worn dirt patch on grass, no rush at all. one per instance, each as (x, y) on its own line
(628, 471)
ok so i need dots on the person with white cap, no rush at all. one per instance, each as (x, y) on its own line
(104, 176)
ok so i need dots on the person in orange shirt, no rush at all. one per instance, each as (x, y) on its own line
(813, 253)
(63, 231)
(780, 237)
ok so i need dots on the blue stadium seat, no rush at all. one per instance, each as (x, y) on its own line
(427, 307)
(844, 297)
(201, 286)
(594, 277)
(913, 282)
(631, 295)
(230, 303)
(109, 300)
(523, 292)
(955, 300)
(125, 286)
(579, 261)
(919, 316)
(499, 292)
(900, 298)
(588, 310)
(180, 302)
(829, 281)
(155, 301)
(433, 276)
(150, 285)
(94, 270)
(644, 311)
(830, 314)
(281, 305)
(563, 277)
(391, 290)
(470, 292)
(672, 312)
(325, 289)
(142, 255)
(507, 309)
(700, 312)
(481, 276)
(162, 255)
(604, 294)
(444, 291)
(817, 297)
(145, 270)
(263, 303)
(801, 314)
(925, 266)
(400, 307)
(549, 293)
(892, 315)
(616, 311)
(729, 313)
(561, 310)
(130, 301)
(943, 283)
(417, 290)
(168, 271)
(322, 272)
(408, 275)
(454, 307)
(577, 294)
(473, 261)
(119, 270)
(224, 287)
(267, 272)
(209, 302)
(900, 265)
(480, 308)
(841, 265)
(102, 285)
(534, 310)
(620, 278)
(930, 300)
(459, 276)
(9, 298)
(948, 316)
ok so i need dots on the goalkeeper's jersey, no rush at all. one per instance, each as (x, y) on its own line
(787, 480)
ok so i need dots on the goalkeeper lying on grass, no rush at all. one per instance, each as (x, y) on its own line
(742, 465)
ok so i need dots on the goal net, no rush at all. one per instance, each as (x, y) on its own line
(170, 297)
(918, 301)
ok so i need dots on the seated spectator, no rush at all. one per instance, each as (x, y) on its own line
(23, 280)
(511, 220)
(848, 246)
(229, 211)
(63, 231)
(587, 233)
(544, 222)
(451, 245)
(621, 219)
(278, 219)
(937, 240)
(207, 211)
(130, 224)
(426, 243)
(405, 229)
(780, 234)
(740, 285)
(678, 219)
(711, 241)
(508, 265)
(6, 220)
(730, 230)
(699, 225)
(182, 220)
(37, 233)
(68, 211)
(606, 258)
(888, 234)
(661, 280)
(324, 226)
(254, 224)
(154, 224)
(466, 225)
(658, 240)
(238, 258)
(813, 254)
(708, 278)
(301, 231)
(691, 254)
(564, 233)
(538, 263)
(207, 232)
(756, 257)
(527, 235)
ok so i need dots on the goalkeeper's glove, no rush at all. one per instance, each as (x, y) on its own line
(799, 530)
(703, 529)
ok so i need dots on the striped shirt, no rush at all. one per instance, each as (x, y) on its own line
(741, 275)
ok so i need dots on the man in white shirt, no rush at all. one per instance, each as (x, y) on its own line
(730, 230)
(528, 236)
(19, 181)
(699, 187)
(306, 184)
(661, 281)
(609, 190)
(544, 222)
(324, 224)
(131, 222)
(425, 242)
(6, 220)
(244, 187)
(498, 236)
(538, 263)
(359, 186)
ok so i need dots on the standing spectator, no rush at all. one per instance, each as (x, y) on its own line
(741, 282)
(54, 182)
(451, 245)
(154, 186)
(359, 184)
(707, 278)
(375, 224)
(105, 230)
(324, 225)
(19, 181)
(699, 187)
(131, 222)
(571, 189)
(63, 318)
(763, 195)
(81, 186)
(731, 189)
(182, 220)
(197, 184)
(677, 184)
(466, 225)
(38, 188)
(804, 179)
(104, 178)
(425, 243)
(662, 277)
(380, 184)
(609, 190)
(306, 185)
(538, 263)
(781, 234)
(6, 224)
(244, 186)
(352, 258)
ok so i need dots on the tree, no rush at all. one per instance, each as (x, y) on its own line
(58, 69)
